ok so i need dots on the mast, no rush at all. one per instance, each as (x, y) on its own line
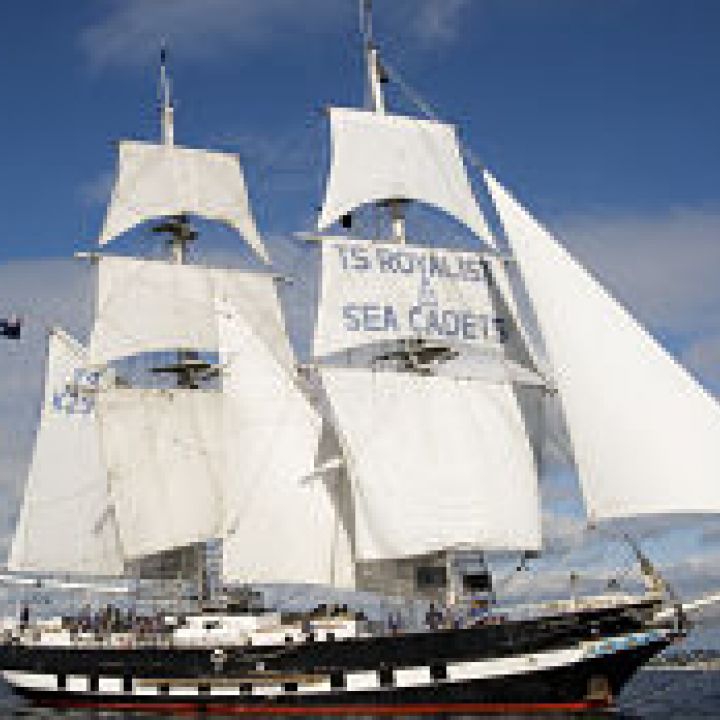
(376, 77)
(167, 120)
(187, 367)
(179, 229)
(389, 160)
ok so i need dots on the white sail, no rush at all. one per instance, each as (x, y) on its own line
(373, 292)
(646, 436)
(66, 523)
(436, 463)
(152, 305)
(379, 157)
(155, 181)
(521, 346)
(279, 527)
(163, 453)
(254, 296)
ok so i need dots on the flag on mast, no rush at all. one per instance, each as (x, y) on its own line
(10, 327)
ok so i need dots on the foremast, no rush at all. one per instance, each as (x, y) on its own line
(183, 463)
(187, 369)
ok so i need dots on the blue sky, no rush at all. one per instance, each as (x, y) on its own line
(582, 105)
(602, 115)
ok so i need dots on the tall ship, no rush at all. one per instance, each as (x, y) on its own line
(394, 462)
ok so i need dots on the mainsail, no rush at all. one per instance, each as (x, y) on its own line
(645, 434)
(66, 522)
(378, 157)
(435, 462)
(161, 180)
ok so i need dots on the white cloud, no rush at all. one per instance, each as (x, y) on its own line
(439, 20)
(664, 267)
(97, 190)
(131, 31)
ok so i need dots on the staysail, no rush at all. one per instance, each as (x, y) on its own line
(435, 462)
(161, 180)
(66, 523)
(645, 434)
(377, 292)
(280, 526)
(377, 157)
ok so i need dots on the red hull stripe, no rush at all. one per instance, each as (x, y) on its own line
(219, 708)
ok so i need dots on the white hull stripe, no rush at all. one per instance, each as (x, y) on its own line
(456, 672)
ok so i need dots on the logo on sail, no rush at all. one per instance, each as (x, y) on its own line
(415, 292)
(77, 396)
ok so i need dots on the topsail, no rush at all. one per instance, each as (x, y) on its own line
(155, 181)
(378, 157)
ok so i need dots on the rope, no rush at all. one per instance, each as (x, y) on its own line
(429, 112)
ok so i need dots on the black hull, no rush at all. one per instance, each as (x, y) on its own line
(569, 663)
(565, 689)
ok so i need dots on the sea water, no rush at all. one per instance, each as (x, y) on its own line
(677, 694)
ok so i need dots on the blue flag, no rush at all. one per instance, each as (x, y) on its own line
(10, 328)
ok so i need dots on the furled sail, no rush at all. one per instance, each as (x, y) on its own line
(435, 462)
(155, 181)
(280, 526)
(163, 453)
(373, 292)
(378, 157)
(646, 436)
(66, 522)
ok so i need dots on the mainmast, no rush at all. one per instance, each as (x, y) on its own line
(376, 77)
(167, 110)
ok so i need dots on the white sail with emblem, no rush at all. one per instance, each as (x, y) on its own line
(66, 523)
(375, 292)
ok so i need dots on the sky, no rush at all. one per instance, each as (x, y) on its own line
(602, 116)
